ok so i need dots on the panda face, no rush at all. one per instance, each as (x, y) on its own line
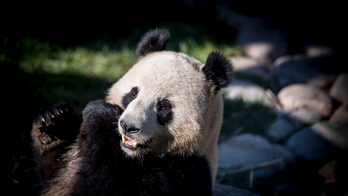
(164, 107)
(171, 102)
(161, 103)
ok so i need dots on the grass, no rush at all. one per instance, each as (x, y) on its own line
(105, 64)
(240, 117)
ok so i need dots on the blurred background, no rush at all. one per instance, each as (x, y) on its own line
(287, 107)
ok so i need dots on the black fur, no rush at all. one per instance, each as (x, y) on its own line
(54, 129)
(218, 70)
(129, 97)
(164, 112)
(153, 41)
(105, 169)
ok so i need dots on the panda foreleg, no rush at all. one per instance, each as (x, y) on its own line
(54, 129)
(99, 154)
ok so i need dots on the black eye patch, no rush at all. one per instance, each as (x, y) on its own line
(164, 112)
(129, 97)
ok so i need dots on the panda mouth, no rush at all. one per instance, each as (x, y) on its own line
(129, 143)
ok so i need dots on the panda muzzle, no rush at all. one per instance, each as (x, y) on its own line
(129, 142)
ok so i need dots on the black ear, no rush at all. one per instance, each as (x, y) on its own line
(153, 41)
(218, 70)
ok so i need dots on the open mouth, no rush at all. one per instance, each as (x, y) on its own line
(129, 143)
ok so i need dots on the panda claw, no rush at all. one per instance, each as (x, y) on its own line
(53, 126)
(45, 139)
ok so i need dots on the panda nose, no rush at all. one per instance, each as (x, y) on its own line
(128, 128)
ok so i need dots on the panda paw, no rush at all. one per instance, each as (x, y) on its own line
(56, 125)
(100, 112)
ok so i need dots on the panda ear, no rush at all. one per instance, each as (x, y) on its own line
(153, 41)
(218, 71)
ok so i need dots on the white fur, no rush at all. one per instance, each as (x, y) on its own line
(197, 110)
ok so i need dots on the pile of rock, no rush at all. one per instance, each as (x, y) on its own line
(312, 123)
(310, 98)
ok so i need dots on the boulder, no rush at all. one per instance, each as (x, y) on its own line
(260, 39)
(340, 116)
(339, 89)
(319, 51)
(287, 58)
(318, 71)
(334, 174)
(224, 190)
(305, 96)
(247, 150)
(283, 127)
(305, 115)
(249, 66)
(336, 135)
(310, 146)
(248, 92)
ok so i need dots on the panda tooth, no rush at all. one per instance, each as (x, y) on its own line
(129, 141)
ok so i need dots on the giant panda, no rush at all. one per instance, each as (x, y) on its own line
(155, 133)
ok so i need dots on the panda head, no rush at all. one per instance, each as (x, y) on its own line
(169, 99)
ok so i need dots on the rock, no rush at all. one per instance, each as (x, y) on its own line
(249, 66)
(338, 136)
(318, 71)
(322, 81)
(260, 39)
(335, 175)
(224, 190)
(286, 58)
(248, 92)
(283, 127)
(305, 96)
(309, 146)
(319, 51)
(305, 115)
(340, 116)
(339, 89)
(247, 150)
(263, 50)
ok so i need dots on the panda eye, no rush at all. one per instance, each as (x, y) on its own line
(164, 112)
(163, 107)
(134, 95)
(129, 97)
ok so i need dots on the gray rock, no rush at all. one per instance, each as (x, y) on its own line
(319, 51)
(340, 116)
(260, 39)
(248, 92)
(247, 150)
(336, 135)
(322, 81)
(249, 66)
(286, 58)
(339, 89)
(224, 190)
(283, 127)
(309, 146)
(305, 96)
(305, 115)
(318, 71)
